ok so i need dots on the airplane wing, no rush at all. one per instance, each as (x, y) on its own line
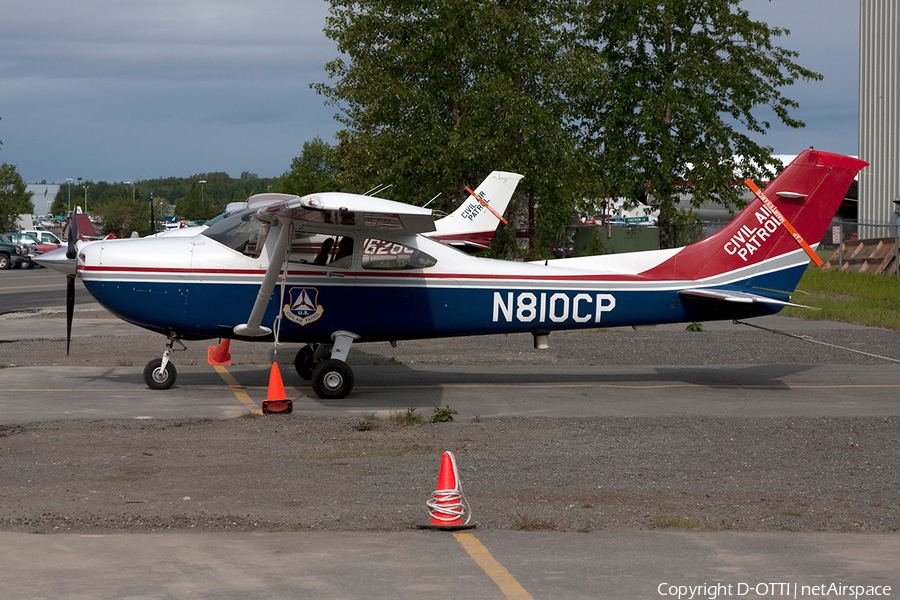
(350, 210)
(333, 208)
(735, 296)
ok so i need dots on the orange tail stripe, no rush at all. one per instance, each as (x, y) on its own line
(787, 224)
(487, 206)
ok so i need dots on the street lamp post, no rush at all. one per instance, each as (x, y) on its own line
(69, 186)
(132, 186)
(152, 217)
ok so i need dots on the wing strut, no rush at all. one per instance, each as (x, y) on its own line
(253, 327)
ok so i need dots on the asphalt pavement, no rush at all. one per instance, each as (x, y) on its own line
(439, 565)
(475, 564)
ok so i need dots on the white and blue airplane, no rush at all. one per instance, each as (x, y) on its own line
(330, 269)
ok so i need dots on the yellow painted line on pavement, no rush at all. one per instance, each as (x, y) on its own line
(120, 390)
(238, 389)
(28, 287)
(511, 588)
(630, 386)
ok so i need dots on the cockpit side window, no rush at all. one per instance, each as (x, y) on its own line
(384, 255)
(321, 250)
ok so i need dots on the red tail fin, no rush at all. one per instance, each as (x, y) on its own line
(806, 194)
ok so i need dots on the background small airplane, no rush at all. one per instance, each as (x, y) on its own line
(469, 228)
(352, 268)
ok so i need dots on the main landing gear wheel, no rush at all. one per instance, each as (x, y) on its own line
(332, 379)
(305, 362)
(157, 378)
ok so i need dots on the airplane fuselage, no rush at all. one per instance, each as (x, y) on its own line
(334, 268)
(199, 288)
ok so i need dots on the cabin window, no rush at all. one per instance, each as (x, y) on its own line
(319, 249)
(384, 255)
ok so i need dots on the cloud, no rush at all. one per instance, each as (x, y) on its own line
(111, 90)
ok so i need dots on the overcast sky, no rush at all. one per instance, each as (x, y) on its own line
(116, 91)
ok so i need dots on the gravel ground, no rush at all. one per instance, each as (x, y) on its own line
(572, 474)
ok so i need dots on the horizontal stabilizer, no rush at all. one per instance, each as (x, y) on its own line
(735, 296)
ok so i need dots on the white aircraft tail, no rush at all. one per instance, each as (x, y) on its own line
(471, 226)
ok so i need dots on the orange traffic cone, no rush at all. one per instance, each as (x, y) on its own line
(447, 504)
(276, 401)
(219, 355)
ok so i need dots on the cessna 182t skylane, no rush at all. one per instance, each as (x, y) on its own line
(330, 269)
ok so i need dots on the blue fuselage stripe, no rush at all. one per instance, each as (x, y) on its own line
(411, 309)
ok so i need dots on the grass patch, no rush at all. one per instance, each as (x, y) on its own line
(859, 298)
(526, 522)
(370, 422)
(407, 419)
(661, 521)
(443, 415)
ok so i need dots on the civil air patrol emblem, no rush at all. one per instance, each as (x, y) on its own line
(303, 305)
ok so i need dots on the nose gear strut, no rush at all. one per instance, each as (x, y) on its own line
(160, 374)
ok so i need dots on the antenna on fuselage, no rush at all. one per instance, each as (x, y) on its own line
(432, 200)
(378, 189)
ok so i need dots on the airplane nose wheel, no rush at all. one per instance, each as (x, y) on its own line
(332, 379)
(158, 377)
(160, 374)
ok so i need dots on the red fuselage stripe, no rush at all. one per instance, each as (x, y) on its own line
(476, 276)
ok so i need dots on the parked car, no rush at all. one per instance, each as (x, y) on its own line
(564, 250)
(13, 255)
(44, 237)
(28, 239)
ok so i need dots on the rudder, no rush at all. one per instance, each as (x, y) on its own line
(807, 194)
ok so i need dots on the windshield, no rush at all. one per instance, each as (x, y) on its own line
(240, 232)
(221, 217)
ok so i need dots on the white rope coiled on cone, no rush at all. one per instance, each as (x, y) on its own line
(454, 505)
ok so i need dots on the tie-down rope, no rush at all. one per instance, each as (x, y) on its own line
(809, 339)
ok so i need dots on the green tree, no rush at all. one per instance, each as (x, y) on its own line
(202, 199)
(313, 171)
(587, 98)
(60, 205)
(674, 93)
(121, 215)
(15, 200)
(436, 95)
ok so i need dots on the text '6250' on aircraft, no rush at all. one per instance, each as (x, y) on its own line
(331, 269)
